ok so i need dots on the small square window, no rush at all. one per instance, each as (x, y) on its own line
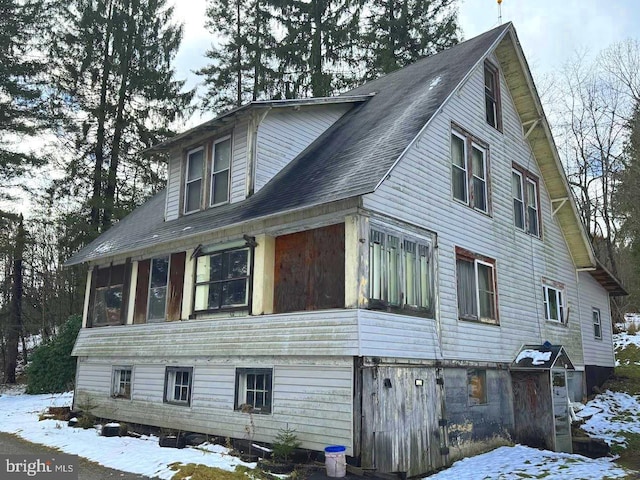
(178, 381)
(121, 382)
(597, 324)
(254, 390)
(477, 386)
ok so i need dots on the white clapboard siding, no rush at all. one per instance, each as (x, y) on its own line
(173, 187)
(388, 335)
(283, 134)
(239, 162)
(597, 352)
(312, 395)
(329, 332)
(419, 191)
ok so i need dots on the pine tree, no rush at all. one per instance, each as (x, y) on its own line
(399, 32)
(115, 77)
(240, 69)
(22, 109)
(319, 45)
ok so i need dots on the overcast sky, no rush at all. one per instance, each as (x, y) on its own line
(550, 31)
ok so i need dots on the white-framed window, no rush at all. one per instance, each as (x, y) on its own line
(554, 301)
(223, 279)
(400, 271)
(254, 390)
(121, 381)
(469, 170)
(158, 281)
(476, 286)
(220, 170)
(597, 324)
(178, 381)
(492, 96)
(193, 180)
(476, 386)
(526, 200)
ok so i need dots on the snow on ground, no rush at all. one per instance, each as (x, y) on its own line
(20, 413)
(623, 339)
(609, 414)
(20, 416)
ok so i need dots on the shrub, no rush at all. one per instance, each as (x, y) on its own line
(52, 368)
(285, 443)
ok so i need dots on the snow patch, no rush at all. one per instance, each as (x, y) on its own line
(435, 82)
(537, 358)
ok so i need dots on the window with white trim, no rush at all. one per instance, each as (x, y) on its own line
(220, 170)
(469, 171)
(476, 286)
(400, 271)
(526, 200)
(554, 301)
(178, 381)
(223, 280)
(254, 390)
(597, 324)
(492, 96)
(158, 281)
(193, 180)
(121, 382)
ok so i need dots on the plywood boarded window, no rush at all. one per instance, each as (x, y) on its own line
(477, 386)
(309, 270)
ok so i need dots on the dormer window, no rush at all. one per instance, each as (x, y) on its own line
(193, 184)
(492, 96)
(220, 171)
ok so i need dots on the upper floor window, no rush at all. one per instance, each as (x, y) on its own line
(400, 271)
(193, 183)
(476, 284)
(554, 298)
(158, 281)
(597, 325)
(469, 172)
(222, 279)
(492, 96)
(526, 201)
(220, 171)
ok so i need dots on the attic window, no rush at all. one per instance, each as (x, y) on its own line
(492, 96)
(221, 156)
(193, 184)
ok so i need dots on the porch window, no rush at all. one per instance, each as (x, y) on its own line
(121, 382)
(492, 96)
(254, 390)
(469, 170)
(476, 287)
(178, 381)
(108, 302)
(193, 182)
(554, 308)
(476, 386)
(158, 281)
(400, 271)
(220, 171)
(597, 325)
(222, 280)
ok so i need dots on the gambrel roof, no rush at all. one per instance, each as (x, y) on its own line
(359, 151)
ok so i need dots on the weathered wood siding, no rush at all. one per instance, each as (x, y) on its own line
(283, 134)
(313, 395)
(174, 179)
(326, 332)
(238, 182)
(419, 191)
(596, 351)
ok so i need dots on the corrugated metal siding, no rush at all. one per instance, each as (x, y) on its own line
(389, 335)
(239, 162)
(596, 352)
(328, 332)
(283, 134)
(312, 395)
(422, 180)
(173, 187)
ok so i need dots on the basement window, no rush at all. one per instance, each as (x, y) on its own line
(178, 382)
(254, 390)
(121, 382)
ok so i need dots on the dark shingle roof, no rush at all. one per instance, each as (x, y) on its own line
(348, 160)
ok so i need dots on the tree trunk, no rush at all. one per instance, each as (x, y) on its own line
(15, 318)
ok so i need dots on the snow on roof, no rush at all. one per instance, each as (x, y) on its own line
(537, 357)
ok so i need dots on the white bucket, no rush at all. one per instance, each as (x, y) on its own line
(335, 461)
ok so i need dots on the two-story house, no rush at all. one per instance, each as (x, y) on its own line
(400, 270)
